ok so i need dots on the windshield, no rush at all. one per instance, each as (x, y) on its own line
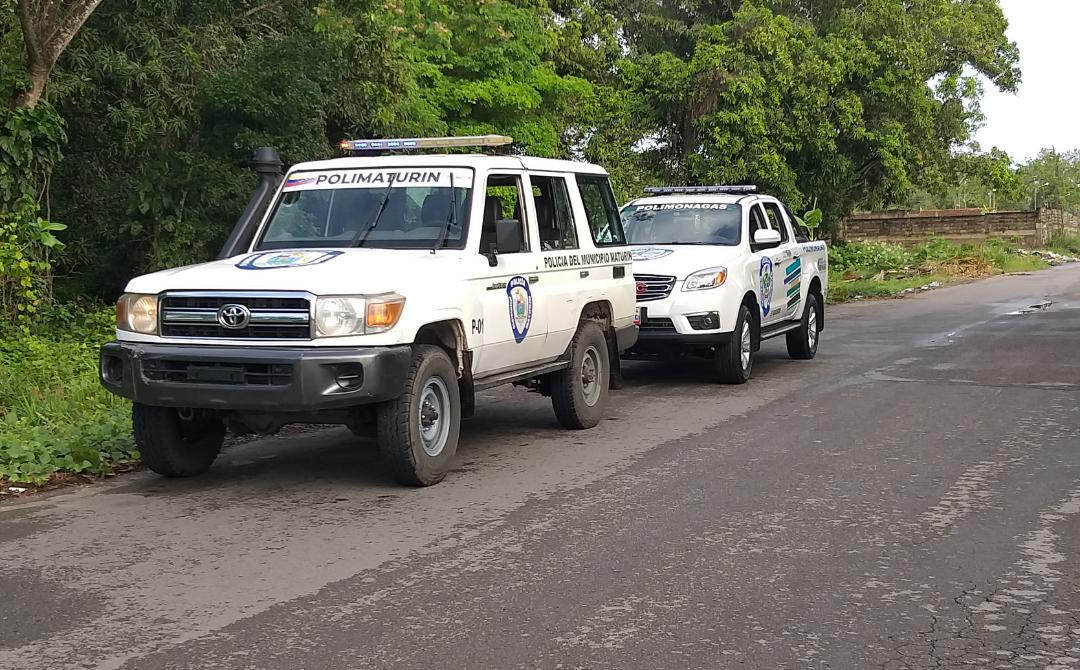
(683, 223)
(388, 209)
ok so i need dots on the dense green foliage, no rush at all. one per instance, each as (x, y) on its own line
(54, 415)
(854, 104)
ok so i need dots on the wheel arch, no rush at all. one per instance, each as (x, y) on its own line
(815, 289)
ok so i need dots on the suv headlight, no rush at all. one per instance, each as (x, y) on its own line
(705, 279)
(344, 315)
(137, 313)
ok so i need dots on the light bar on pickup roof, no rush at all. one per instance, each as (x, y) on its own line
(674, 190)
(410, 143)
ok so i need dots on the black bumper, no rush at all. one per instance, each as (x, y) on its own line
(253, 379)
(652, 343)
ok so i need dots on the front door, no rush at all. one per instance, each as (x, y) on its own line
(790, 270)
(770, 264)
(513, 327)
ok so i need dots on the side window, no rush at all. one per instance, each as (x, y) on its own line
(776, 221)
(502, 200)
(554, 217)
(601, 210)
(800, 233)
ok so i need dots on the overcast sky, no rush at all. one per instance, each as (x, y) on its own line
(1047, 109)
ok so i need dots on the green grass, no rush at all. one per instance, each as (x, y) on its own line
(54, 415)
(879, 270)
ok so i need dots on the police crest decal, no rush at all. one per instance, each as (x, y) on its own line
(519, 297)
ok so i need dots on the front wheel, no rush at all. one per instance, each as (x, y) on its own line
(418, 432)
(735, 358)
(176, 443)
(803, 341)
(579, 393)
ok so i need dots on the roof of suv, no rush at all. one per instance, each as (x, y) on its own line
(485, 161)
(709, 198)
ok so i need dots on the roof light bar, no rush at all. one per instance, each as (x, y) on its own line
(408, 144)
(673, 190)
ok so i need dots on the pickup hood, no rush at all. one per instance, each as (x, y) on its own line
(318, 271)
(682, 260)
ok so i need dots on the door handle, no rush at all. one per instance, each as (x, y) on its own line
(534, 279)
(584, 274)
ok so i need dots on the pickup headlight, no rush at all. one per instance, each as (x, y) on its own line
(705, 279)
(137, 313)
(341, 316)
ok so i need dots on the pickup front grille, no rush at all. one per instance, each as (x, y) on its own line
(267, 316)
(228, 374)
(653, 287)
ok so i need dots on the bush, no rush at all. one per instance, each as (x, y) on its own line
(54, 415)
(869, 257)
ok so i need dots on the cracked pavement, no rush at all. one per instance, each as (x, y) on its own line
(910, 499)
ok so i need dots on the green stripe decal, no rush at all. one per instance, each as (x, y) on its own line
(794, 290)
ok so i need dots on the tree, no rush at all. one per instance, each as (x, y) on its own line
(48, 26)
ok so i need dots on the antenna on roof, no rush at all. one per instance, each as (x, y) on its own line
(678, 190)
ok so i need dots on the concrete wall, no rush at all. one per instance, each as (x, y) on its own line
(962, 226)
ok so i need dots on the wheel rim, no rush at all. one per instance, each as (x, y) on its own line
(590, 376)
(432, 416)
(744, 346)
(811, 327)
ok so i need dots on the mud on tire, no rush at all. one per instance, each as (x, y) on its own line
(802, 343)
(418, 432)
(734, 359)
(579, 393)
(173, 446)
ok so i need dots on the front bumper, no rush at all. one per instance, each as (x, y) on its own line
(253, 379)
(670, 323)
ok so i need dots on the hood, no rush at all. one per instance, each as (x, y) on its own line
(318, 271)
(680, 260)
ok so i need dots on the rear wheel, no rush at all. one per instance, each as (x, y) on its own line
(418, 432)
(579, 393)
(176, 443)
(735, 359)
(802, 342)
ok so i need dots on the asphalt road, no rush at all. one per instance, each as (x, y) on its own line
(910, 499)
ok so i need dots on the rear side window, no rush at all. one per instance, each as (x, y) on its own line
(601, 210)
(776, 220)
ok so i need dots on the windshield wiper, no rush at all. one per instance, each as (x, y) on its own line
(361, 235)
(450, 218)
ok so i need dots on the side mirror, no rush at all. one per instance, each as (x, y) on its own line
(766, 238)
(509, 237)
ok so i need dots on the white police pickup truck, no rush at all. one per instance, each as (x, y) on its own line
(719, 269)
(382, 292)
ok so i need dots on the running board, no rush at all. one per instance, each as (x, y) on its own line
(519, 375)
(772, 331)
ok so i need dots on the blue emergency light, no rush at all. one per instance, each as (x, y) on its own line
(680, 190)
(412, 143)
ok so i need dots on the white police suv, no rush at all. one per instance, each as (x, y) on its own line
(382, 291)
(720, 268)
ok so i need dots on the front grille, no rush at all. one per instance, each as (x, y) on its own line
(273, 316)
(653, 287)
(658, 325)
(217, 373)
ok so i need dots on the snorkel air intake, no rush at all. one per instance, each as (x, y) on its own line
(267, 164)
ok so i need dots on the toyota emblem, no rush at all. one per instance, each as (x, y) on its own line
(641, 287)
(234, 317)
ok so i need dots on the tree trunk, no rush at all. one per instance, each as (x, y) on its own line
(29, 98)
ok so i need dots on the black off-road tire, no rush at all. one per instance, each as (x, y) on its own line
(731, 366)
(802, 343)
(174, 447)
(578, 403)
(398, 425)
